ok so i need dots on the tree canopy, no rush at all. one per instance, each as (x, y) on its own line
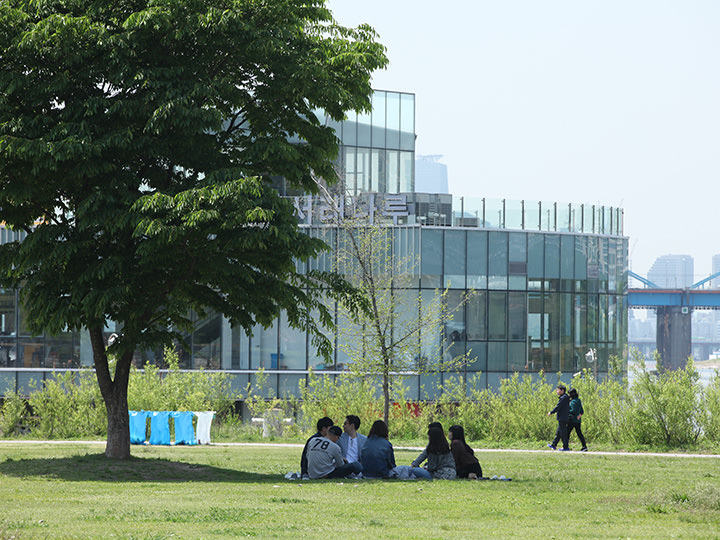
(137, 141)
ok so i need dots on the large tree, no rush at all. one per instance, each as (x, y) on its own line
(137, 138)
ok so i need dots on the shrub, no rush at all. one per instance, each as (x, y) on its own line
(711, 423)
(69, 405)
(668, 406)
(13, 414)
(176, 390)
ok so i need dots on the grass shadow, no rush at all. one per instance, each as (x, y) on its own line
(98, 468)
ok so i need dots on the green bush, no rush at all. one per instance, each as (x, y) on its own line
(69, 405)
(175, 390)
(520, 410)
(13, 414)
(338, 396)
(711, 424)
(668, 406)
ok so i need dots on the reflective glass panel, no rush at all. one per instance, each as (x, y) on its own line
(264, 347)
(497, 260)
(393, 171)
(477, 259)
(455, 259)
(431, 264)
(7, 312)
(207, 343)
(407, 121)
(378, 119)
(497, 356)
(393, 120)
(517, 359)
(497, 315)
(350, 129)
(407, 172)
(517, 315)
(378, 173)
(477, 316)
(477, 356)
(292, 346)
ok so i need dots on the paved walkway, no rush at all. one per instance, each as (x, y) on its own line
(413, 448)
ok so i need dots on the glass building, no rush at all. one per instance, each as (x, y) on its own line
(548, 280)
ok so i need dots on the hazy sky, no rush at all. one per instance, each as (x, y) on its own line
(601, 102)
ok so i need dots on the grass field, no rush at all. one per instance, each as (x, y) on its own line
(222, 492)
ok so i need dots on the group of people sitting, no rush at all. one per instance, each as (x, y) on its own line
(345, 453)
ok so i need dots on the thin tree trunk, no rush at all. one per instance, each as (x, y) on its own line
(386, 396)
(114, 393)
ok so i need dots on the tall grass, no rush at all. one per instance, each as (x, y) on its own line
(669, 409)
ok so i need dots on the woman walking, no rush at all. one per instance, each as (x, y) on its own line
(575, 418)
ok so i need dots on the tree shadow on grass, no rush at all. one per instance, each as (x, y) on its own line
(98, 468)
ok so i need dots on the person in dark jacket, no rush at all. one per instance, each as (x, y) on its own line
(466, 464)
(377, 457)
(576, 412)
(562, 412)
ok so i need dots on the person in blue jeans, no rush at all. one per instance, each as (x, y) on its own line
(562, 412)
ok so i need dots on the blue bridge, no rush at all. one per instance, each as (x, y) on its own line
(674, 309)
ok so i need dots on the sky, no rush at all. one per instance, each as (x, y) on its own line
(613, 102)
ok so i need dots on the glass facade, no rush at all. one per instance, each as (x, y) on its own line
(547, 281)
(378, 149)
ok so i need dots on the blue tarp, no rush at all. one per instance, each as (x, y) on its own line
(184, 432)
(159, 427)
(138, 427)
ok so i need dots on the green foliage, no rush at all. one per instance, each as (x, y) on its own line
(666, 409)
(12, 414)
(711, 427)
(336, 397)
(138, 141)
(175, 390)
(520, 409)
(668, 406)
(67, 406)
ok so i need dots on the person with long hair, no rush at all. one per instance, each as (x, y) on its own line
(466, 464)
(377, 456)
(574, 420)
(440, 461)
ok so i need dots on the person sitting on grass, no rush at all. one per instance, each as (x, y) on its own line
(466, 464)
(322, 428)
(351, 442)
(441, 463)
(325, 458)
(377, 456)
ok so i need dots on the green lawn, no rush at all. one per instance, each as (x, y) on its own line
(72, 491)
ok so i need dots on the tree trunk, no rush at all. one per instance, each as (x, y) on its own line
(118, 430)
(114, 393)
(386, 396)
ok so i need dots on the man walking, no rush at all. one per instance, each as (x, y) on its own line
(562, 410)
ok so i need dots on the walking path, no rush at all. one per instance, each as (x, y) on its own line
(413, 448)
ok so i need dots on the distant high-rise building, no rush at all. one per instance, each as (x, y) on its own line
(431, 176)
(715, 283)
(672, 271)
